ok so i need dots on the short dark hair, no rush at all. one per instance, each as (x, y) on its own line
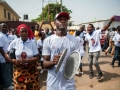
(118, 27)
(113, 28)
(41, 33)
(77, 33)
(92, 26)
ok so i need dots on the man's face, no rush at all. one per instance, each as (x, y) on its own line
(36, 27)
(47, 30)
(43, 36)
(61, 23)
(4, 28)
(89, 29)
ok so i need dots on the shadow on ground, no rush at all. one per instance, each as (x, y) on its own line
(108, 76)
(106, 56)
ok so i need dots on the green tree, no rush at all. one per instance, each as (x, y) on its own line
(33, 20)
(50, 10)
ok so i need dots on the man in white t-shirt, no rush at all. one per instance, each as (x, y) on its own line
(116, 40)
(82, 30)
(5, 65)
(52, 47)
(94, 47)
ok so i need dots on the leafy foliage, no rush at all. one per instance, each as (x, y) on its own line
(49, 12)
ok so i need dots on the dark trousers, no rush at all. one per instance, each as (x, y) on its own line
(117, 51)
(5, 74)
(105, 45)
(1, 78)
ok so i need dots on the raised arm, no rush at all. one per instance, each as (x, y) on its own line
(52, 29)
(41, 26)
(109, 23)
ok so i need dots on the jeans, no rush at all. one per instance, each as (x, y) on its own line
(117, 51)
(105, 45)
(1, 79)
(81, 62)
(6, 74)
(93, 60)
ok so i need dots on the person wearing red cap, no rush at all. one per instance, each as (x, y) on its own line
(53, 46)
(24, 58)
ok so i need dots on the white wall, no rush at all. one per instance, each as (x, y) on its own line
(103, 23)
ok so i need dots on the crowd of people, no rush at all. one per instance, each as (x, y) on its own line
(22, 50)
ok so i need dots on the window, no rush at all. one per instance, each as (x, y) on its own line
(9, 16)
(4, 13)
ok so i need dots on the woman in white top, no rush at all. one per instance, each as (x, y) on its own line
(24, 59)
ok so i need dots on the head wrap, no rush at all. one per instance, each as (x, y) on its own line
(30, 33)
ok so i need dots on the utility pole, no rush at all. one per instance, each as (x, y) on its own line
(42, 10)
(61, 5)
(48, 10)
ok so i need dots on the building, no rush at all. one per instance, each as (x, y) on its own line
(12, 25)
(7, 13)
(101, 23)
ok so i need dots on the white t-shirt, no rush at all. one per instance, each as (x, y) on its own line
(116, 40)
(29, 47)
(52, 46)
(4, 43)
(81, 42)
(15, 37)
(40, 45)
(94, 41)
(82, 34)
(11, 37)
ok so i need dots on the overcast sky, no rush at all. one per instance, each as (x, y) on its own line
(82, 10)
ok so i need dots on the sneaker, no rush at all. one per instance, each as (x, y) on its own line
(99, 75)
(77, 73)
(81, 73)
(9, 88)
(42, 71)
(91, 76)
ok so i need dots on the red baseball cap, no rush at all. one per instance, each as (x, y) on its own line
(64, 14)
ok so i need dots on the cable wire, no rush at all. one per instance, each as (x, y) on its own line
(30, 12)
(31, 7)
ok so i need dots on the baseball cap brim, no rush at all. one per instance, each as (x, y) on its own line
(64, 14)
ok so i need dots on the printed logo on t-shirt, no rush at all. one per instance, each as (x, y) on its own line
(59, 50)
(94, 43)
(81, 44)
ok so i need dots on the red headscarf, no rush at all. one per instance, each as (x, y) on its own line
(30, 33)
